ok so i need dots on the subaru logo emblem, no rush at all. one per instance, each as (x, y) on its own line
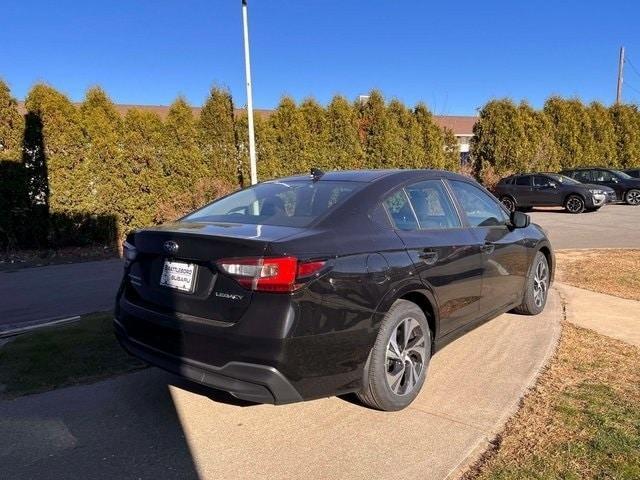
(171, 247)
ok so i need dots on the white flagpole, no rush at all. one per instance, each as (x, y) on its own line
(247, 69)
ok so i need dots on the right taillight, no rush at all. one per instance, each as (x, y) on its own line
(269, 274)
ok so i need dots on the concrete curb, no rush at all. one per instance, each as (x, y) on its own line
(475, 453)
(11, 330)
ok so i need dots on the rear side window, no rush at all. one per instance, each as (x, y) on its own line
(292, 204)
(481, 209)
(524, 181)
(401, 211)
(432, 205)
(583, 176)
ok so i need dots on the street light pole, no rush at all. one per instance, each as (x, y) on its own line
(247, 69)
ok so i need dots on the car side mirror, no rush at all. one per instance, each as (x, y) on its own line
(519, 219)
(553, 185)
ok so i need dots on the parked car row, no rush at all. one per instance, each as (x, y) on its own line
(577, 190)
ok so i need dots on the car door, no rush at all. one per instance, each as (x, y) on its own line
(504, 254)
(608, 179)
(445, 253)
(522, 190)
(545, 191)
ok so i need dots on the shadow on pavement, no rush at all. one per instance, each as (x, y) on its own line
(126, 427)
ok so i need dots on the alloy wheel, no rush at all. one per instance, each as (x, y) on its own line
(405, 356)
(507, 202)
(540, 283)
(633, 197)
(575, 204)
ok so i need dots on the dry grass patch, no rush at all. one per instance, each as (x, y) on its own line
(611, 271)
(582, 420)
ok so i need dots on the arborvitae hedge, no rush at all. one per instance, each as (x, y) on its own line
(73, 174)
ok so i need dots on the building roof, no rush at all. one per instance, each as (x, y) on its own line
(460, 125)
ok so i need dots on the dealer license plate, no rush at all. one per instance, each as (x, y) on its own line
(178, 275)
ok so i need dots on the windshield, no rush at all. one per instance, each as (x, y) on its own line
(562, 179)
(290, 204)
(622, 175)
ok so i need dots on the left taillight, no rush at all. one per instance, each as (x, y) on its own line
(270, 274)
(129, 252)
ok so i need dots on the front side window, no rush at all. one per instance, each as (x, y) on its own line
(603, 176)
(523, 181)
(481, 210)
(294, 203)
(541, 181)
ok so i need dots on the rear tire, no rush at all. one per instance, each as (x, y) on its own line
(536, 287)
(574, 204)
(398, 362)
(632, 197)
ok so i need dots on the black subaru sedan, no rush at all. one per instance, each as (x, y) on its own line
(312, 286)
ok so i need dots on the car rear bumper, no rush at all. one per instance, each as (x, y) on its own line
(247, 381)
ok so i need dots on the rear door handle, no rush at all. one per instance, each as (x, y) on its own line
(488, 248)
(429, 257)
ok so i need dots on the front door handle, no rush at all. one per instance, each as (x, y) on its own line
(488, 248)
(429, 257)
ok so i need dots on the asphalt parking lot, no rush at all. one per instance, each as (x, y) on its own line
(613, 226)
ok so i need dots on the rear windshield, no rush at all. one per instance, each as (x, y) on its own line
(291, 204)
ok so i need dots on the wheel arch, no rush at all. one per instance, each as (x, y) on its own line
(418, 294)
(545, 249)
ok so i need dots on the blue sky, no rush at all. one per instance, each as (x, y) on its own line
(452, 55)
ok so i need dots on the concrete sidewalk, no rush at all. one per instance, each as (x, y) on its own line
(608, 315)
(150, 424)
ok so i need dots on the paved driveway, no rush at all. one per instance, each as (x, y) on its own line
(613, 226)
(152, 425)
(57, 291)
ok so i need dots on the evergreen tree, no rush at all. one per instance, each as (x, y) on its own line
(537, 151)
(344, 150)
(404, 138)
(432, 139)
(283, 142)
(11, 126)
(603, 136)
(571, 130)
(145, 183)
(55, 143)
(497, 137)
(15, 201)
(451, 150)
(316, 135)
(216, 136)
(104, 165)
(373, 131)
(183, 160)
(626, 121)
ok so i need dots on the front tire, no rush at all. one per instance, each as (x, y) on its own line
(632, 197)
(536, 287)
(509, 203)
(398, 362)
(574, 204)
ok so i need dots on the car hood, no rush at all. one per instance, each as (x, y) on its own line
(599, 187)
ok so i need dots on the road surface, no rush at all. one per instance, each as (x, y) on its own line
(57, 291)
(613, 226)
